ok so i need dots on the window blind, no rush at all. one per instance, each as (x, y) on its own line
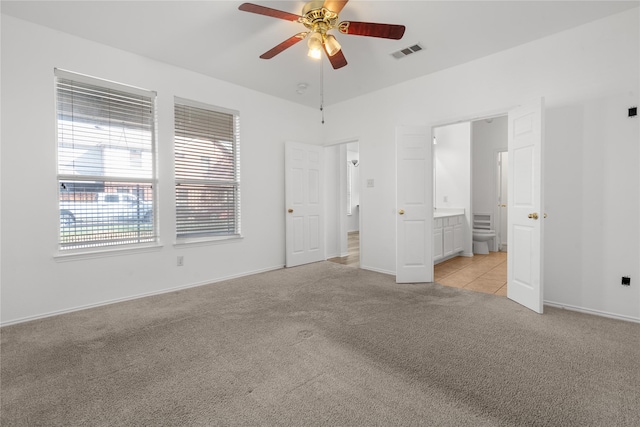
(105, 137)
(207, 160)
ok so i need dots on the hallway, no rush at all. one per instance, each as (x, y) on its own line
(480, 273)
(353, 244)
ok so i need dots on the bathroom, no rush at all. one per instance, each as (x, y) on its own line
(470, 176)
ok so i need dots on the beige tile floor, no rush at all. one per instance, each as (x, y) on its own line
(481, 273)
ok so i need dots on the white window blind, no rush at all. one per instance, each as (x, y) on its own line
(106, 149)
(207, 170)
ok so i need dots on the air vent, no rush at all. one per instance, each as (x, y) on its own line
(407, 51)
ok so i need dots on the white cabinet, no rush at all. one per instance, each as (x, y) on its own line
(447, 240)
(437, 239)
(458, 232)
(448, 236)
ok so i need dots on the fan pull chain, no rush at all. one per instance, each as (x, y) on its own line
(322, 89)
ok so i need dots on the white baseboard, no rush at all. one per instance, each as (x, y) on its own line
(378, 270)
(137, 296)
(592, 311)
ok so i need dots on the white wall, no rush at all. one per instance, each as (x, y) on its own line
(487, 138)
(452, 163)
(33, 282)
(589, 76)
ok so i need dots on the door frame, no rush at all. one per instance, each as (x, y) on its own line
(492, 114)
(340, 196)
(471, 118)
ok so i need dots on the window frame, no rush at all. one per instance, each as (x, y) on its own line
(87, 248)
(209, 237)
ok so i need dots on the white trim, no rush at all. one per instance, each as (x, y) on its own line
(204, 241)
(378, 270)
(134, 297)
(97, 81)
(342, 141)
(204, 106)
(592, 311)
(104, 251)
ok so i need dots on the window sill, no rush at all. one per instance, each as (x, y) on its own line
(205, 241)
(80, 254)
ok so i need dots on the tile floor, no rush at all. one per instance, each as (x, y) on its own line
(481, 273)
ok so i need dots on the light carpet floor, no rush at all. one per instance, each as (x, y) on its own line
(321, 344)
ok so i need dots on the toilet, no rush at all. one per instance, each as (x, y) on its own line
(483, 233)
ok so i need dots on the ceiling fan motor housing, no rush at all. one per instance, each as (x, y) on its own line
(318, 18)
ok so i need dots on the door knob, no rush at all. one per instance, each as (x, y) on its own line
(290, 210)
(502, 206)
(401, 211)
(533, 215)
(545, 215)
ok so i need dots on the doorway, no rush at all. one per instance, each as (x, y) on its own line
(347, 204)
(468, 175)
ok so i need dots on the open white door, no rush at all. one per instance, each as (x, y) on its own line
(304, 180)
(526, 206)
(414, 205)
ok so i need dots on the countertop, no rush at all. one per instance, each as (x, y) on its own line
(446, 212)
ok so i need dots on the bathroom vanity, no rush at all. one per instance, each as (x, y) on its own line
(448, 233)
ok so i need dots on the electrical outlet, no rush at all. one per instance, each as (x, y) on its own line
(626, 280)
(180, 260)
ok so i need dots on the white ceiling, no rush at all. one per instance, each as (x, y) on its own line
(216, 39)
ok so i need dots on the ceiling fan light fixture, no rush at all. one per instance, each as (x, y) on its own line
(331, 45)
(315, 45)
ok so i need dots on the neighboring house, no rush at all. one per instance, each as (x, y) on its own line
(589, 77)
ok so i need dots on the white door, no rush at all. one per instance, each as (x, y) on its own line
(526, 206)
(304, 180)
(414, 205)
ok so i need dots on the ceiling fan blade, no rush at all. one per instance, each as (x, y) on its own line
(335, 5)
(284, 45)
(337, 60)
(267, 11)
(371, 29)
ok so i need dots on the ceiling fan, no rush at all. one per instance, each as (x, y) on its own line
(319, 17)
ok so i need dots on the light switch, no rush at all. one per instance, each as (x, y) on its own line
(369, 183)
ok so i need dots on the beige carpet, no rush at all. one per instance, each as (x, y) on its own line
(321, 344)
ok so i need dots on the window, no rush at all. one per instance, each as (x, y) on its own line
(207, 169)
(106, 149)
